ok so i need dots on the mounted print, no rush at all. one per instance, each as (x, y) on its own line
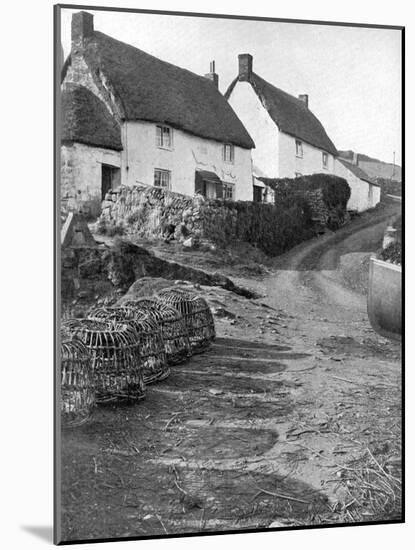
(229, 274)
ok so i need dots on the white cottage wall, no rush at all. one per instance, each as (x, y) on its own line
(360, 189)
(311, 161)
(376, 195)
(260, 126)
(141, 156)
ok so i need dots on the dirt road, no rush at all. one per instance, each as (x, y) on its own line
(292, 418)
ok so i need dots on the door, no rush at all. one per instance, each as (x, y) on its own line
(110, 179)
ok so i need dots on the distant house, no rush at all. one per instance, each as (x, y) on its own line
(365, 192)
(289, 139)
(163, 125)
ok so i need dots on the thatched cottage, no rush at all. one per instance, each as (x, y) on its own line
(131, 118)
(365, 192)
(290, 141)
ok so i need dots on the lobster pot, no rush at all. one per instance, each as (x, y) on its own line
(196, 313)
(151, 345)
(77, 386)
(172, 326)
(116, 360)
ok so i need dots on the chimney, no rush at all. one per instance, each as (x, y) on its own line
(212, 75)
(304, 99)
(245, 67)
(355, 159)
(82, 27)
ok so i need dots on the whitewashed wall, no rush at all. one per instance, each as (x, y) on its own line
(260, 126)
(274, 155)
(363, 195)
(81, 174)
(376, 195)
(310, 163)
(141, 155)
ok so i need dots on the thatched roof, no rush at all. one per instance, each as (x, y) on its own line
(290, 114)
(154, 90)
(358, 172)
(85, 119)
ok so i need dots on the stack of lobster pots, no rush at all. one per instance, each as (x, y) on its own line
(114, 353)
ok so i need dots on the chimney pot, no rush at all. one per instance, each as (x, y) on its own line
(212, 75)
(304, 99)
(245, 66)
(82, 27)
(355, 159)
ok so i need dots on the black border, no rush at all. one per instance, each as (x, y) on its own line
(56, 287)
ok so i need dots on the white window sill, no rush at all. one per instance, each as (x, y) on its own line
(165, 148)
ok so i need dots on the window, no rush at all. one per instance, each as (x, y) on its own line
(298, 148)
(325, 160)
(258, 196)
(298, 174)
(228, 153)
(162, 178)
(228, 191)
(164, 137)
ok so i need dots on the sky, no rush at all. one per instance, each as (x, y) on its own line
(352, 75)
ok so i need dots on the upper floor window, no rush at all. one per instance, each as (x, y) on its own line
(325, 160)
(164, 137)
(228, 152)
(298, 148)
(162, 178)
(228, 191)
(298, 174)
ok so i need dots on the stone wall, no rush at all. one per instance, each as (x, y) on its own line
(147, 212)
(150, 212)
(80, 185)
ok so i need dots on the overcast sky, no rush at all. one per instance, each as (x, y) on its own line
(352, 75)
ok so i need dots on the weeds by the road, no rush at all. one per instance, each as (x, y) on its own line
(375, 493)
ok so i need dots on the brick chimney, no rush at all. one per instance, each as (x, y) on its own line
(355, 159)
(245, 66)
(82, 28)
(212, 75)
(304, 99)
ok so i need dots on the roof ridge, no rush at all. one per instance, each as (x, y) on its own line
(289, 113)
(157, 59)
(151, 89)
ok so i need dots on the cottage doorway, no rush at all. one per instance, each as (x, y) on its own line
(110, 178)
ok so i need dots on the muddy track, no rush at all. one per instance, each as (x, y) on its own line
(256, 429)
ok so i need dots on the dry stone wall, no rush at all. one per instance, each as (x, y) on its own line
(150, 212)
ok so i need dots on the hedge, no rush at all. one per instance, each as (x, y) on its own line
(272, 228)
(335, 190)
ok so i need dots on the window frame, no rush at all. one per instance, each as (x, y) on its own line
(231, 153)
(159, 138)
(226, 185)
(325, 156)
(162, 171)
(299, 152)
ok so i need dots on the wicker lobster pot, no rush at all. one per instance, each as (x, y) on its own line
(77, 385)
(151, 343)
(173, 328)
(116, 360)
(196, 313)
